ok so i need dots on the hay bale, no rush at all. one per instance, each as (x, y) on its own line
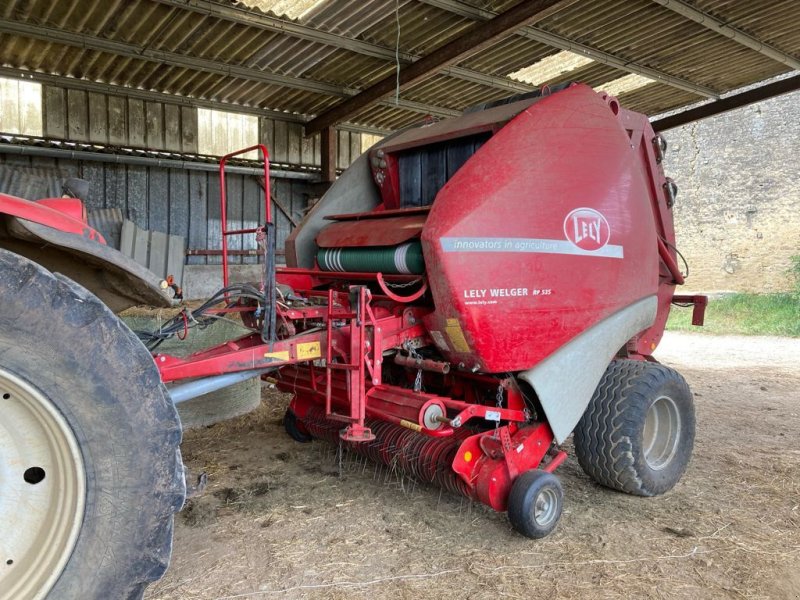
(214, 407)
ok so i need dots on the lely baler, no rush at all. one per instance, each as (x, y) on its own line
(467, 295)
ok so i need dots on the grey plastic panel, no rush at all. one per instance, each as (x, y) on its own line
(353, 192)
(566, 380)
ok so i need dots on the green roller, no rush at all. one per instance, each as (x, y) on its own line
(403, 259)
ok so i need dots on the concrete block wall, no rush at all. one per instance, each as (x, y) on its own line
(737, 216)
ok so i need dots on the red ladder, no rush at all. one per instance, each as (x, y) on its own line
(358, 363)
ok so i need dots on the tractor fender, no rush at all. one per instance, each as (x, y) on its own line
(45, 213)
(64, 244)
(565, 381)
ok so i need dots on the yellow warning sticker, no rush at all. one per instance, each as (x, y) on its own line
(308, 350)
(283, 355)
(456, 336)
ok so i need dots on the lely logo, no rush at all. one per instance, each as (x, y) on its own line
(587, 229)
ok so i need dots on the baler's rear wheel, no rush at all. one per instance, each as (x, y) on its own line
(90, 467)
(637, 434)
(535, 503)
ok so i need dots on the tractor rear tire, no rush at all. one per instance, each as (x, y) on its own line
(637, 434)
(90, 466)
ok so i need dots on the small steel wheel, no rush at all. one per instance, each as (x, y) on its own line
(535, 503)
(294, 428)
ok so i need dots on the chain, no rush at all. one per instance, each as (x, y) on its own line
(499, 403)
(402, 285)
(416, 356)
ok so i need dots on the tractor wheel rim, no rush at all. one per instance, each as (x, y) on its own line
(662, 432)
(42, 491)
(545, 507)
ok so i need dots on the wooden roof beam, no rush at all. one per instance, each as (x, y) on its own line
(475, 39)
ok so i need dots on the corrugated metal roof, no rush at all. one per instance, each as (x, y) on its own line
(223, 51)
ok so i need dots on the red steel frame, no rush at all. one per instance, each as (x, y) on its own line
(359, 326)
(223, 196)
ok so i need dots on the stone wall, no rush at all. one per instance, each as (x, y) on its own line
(737, 215)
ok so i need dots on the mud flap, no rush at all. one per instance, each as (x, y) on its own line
(117, 280)
(566, 380)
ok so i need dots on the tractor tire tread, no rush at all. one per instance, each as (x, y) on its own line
(129, 436)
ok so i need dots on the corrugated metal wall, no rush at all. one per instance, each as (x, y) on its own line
(174, 201)
(82, 116)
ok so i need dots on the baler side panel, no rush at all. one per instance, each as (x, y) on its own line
(514, 274)
(644, 140)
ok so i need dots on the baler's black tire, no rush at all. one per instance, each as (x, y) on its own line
(614, 441)
(535, 503)
(88, 366)
(295, 430)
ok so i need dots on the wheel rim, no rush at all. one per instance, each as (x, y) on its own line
(545, 507)
(42, 491)
(662, 430)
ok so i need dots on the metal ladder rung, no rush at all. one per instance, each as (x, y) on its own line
(341, 367)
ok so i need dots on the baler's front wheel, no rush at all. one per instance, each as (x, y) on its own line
(637, 434)
(535, 503)
(90, 466)
(294, 428)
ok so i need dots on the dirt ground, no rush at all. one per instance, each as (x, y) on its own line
(285, 520)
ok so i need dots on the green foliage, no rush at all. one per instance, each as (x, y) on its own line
(745, 314)
(794, 273)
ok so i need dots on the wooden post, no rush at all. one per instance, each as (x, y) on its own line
(329, 136)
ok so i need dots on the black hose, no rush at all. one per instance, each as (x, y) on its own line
(197, 318)
(268, 328)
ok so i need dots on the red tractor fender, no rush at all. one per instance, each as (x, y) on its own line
(64, 214)
(54, 233)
